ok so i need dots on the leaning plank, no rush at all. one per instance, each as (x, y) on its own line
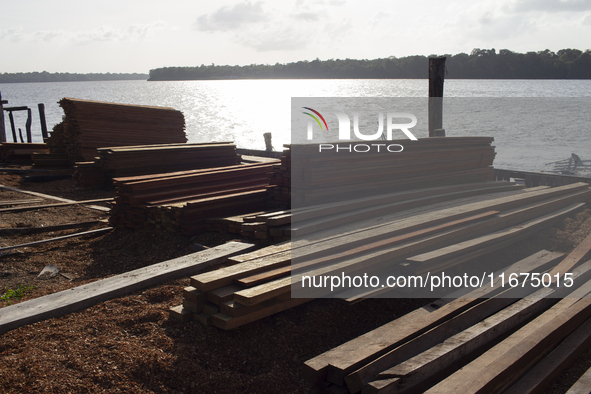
(572, 259)
(582, 385)
(63, 204)
(540, 377)
(58, 227)
(85, 296)
(503, 364)
(91, 232)
(49, 197)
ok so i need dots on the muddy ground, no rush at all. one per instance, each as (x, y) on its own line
(129, 345)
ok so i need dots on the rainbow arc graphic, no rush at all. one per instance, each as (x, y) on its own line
(315, 118)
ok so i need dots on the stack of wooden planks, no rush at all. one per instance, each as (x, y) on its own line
(182, 201)
(498, 338)
(20, 153)
(89, 125)
(307, 175)
(115, 162)
(221, 297)
(263, 228)
(419, 232)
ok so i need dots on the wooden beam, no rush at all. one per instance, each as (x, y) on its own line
(541, 376)
(85, 296)
(502, 365)
(63, 204)
(49, 197)
(572, 259)
(58, 227)
(91, 232)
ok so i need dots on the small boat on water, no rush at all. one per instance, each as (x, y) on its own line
(574, 165)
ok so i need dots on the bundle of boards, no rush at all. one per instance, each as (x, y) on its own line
(495, 339)
(423, 231)
(125, 161)
(182, 201)
(263, 228)
(310, 175)
(19, 152)
(89, 125)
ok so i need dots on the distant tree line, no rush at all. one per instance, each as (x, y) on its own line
(479, 64)
(66, 77)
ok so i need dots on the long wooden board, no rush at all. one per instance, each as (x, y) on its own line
(85, 296)
(96, 207)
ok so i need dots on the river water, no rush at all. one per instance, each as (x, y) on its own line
(534, 122)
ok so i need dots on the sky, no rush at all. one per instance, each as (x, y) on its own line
(127, 36)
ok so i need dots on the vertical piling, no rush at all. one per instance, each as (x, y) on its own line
(436, 78)
(42, 119)
(2, 128)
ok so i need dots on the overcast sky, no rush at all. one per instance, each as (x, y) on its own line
(138, 35)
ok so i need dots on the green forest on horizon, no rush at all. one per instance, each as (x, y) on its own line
(479, 64)
(67, 77)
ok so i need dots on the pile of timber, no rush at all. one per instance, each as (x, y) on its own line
(89, 125)
(20, 153)
(419, 232)
(116, 162)
(494, 339)
(263, 228)
(183, 201)
(308, 176)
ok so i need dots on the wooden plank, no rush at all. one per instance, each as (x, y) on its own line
(263, 277)
(180, 314)
(576, 256)
(361, 377)
(513, 234)
(35, 207)
(541, 376)
(502, 365)
(225, 276)
(58, 227)
(440, 356)
(82, 297)
(582, 385)
(47, 196)
(20, 202)
(362, 350)
(269, 250)
(91, 232)
(217, 296)
(228, 323)
(263, 292)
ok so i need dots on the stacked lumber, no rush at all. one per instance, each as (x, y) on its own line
(263, 228)
(183, 201)
(309, 176)
(88, 175)
(216, 297)
(20, 153)
(89, 125)
(486, 340)
(419, 232)
(115, 162)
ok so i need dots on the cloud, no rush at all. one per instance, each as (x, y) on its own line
(306, 16)
(109, 33)
(284, 39)
(549, 5)
(225, 18)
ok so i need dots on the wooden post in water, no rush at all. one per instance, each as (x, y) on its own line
(28, 126)
(42, 119)
(268, 143)
(2, 129)
(436, 77)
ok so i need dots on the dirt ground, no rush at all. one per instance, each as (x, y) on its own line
(128, 345)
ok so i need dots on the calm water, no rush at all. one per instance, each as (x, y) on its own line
(548, 126)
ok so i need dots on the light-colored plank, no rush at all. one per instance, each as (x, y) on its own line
(82, 297)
